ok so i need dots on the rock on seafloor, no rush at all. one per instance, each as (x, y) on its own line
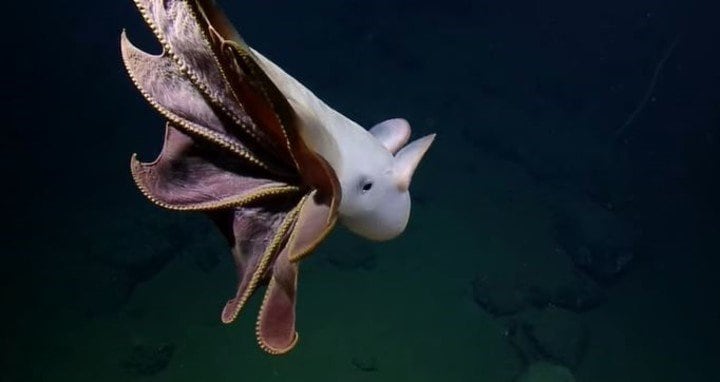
(365, 363)
(552, 335)
(498, 296)
(127, 252)
(598, 241)
(506, 295)
(577, 293)
(145, 360)
(546, 372)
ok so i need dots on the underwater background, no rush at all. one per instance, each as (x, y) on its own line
(564, 225)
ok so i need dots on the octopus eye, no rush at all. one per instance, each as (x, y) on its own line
(367, 186)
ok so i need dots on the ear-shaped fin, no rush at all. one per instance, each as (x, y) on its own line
(407, 160)
(393, 133)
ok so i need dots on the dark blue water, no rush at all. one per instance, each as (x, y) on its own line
(565, 221)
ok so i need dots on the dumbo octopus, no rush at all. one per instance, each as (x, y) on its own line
(270, 163)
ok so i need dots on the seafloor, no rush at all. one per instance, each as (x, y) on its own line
(542, 231)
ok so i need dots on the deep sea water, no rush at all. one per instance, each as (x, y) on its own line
(567, 213)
